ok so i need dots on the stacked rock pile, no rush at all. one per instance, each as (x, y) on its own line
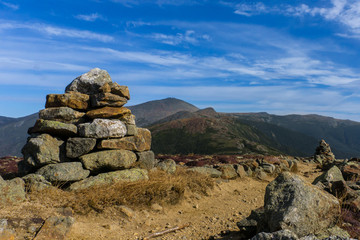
(323, 154)
(86, 137)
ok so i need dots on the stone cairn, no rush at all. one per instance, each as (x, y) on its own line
(86, 137)
(323, 154)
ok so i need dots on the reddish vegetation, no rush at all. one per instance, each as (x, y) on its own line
(351, 219)
(8, 166)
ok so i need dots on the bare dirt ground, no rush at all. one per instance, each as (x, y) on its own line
(205, 217)
(209, 217)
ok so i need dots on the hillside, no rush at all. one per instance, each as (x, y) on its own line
(5, 120)
(13, 134)
(209, 132)
(342, 135)
(152, 111)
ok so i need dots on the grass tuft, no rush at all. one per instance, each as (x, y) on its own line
(161, 188)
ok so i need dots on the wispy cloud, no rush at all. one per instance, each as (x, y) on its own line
(56, 31)
(131, 3)
(188, 37)
(10, 5)
(90, 17)
(345, 12)
(250, 9)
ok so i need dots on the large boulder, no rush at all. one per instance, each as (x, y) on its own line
(54, 128)
(102, 128)
(12, 191)
(108, 160)
(76, 147)
(332, 175)
(294, 204)
(62, 114)
(43, 149)
(90, 82)
(107, 99)
(63, 172)
(109, 112)
(128, 175)
(139, 143)
(73, 100)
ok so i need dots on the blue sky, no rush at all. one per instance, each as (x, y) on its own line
(275, 56)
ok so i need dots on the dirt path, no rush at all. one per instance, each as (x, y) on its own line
(210, 217)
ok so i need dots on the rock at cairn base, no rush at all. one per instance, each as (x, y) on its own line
(88, 130)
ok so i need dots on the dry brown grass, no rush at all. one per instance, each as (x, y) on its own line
(161, 188)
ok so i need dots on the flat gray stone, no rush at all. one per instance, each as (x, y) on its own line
(128, 175)
(63, 172)
(109, 160)
(62, 114)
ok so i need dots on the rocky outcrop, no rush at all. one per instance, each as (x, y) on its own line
(293, 208)
(293, 204)
(84, 132)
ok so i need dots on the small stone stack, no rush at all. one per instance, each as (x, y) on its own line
(87, 132)
(323, 154)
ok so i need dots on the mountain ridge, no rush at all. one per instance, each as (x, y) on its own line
(292, 134)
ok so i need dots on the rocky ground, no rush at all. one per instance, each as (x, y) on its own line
(211, 216)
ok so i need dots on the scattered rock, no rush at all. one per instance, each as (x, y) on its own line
(63, 172)
(146, 160)
(167, 165)
(228, 171)
(55, 227)
(208, 171)
(278, 235)
(240, 171)
(156, 207)
(12, 191)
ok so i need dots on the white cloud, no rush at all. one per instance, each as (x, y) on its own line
(346, 12)
(10, 5)
(57, 31)
(90, 17)
(180, 38)
(250, 9)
